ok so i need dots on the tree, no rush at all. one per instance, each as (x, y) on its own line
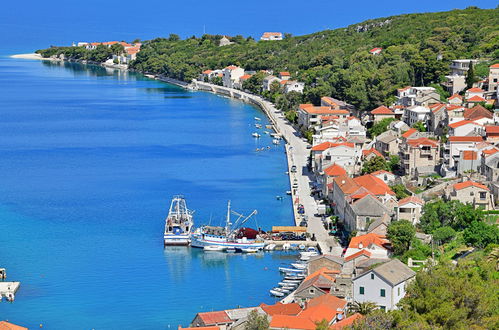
(455, 214)
(254, 83)
(363, 308)
(401, 233)
(400, 191)
(256, 321)
(444, 234)
(470, 76)
(375, 164)
(380, 127)
(322, 325)
(420, 126)
(173, 37)
(479, 234)
(394, 163)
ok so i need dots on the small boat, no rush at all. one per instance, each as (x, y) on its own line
(288, 192)
(291, 270)
(292, 281)
(255, 135)
(294, 277)
(276, 293)
(286, 246)
(279, 198)
(250, 250)
(286, 284)
(311, 252)
(301, 247)
(283, 290)
(299, 266)
(275, 141)
(256, 118)
(230, 250)
(258, 125)
(266, 132)
(213, 248)
(270, 247)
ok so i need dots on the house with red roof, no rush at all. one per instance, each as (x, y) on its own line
(453, 148)
(284, 75)
(472, 92)
(310, 115)
(409, 208)
(479, 115)
(326, 180)
(465, 128)
(279, 308)
(420, 156)
(231, 76)
(376, 51)
(344, 154)
(490, 168)
(271, 36)
(492, 133)
(370, 245)
(455, 99)
(381, 113)
(315, 285)
(471, 192)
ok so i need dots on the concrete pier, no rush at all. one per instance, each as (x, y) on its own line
(8, 288)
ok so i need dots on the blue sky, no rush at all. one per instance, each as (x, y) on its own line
(31, 23)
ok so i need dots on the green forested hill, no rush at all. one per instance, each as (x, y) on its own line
(337, 62)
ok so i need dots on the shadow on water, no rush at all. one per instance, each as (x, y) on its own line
(79, 69)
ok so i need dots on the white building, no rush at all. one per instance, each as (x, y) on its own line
(384, 285)
(466, 127)
(270, 36)
(410, 96)
(293, 86)
(267, 82)
(461, 67)
(494, 78)
(416, 113)
(231, 75)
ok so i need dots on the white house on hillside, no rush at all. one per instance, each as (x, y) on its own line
(231, 75)
(384, 285)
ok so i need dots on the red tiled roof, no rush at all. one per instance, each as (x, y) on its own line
(370, 151)
(404, 88)
(476, 98)
(469, 183)
(346, 322)
(465, 138)
(329, 101)
(470, 155)
(318, 110)
(495, 66)
(462, 123)
(454, 96)
(326, 145)
(475, 90)
(409, 132)
(271, 34)
(490, 151)
(198, 328)
(291, 322)
(492, 129)
(410, 199)
(358, 254)
(284, 73)
(451, 107)
(281, 309)
(367, 240)
(320, 312)
(335, 170)
(382, 110)
(5, 325)
(422, 141)
(207, 71)
(231, 67)
(218, 317)
(346, 184)
(381, 172)
(244, 77)
(373, 184)
(375, 49)
(477, 112)
(328, 300)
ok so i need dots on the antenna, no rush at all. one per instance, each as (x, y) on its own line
(204, 29)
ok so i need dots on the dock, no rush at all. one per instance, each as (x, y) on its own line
(9, 289)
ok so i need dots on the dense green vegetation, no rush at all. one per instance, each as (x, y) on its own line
(462, 296)
(417, 50)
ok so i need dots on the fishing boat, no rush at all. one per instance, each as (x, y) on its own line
(299, 266)
(232, 236)
(256, 118)
(178, 223)
(310, 252)
(270, 247)
(276, 293)
(291, 270)
(250, 250)
(255, 135)
(294, 277)
(213, 248)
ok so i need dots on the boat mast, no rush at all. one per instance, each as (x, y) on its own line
(227, 221)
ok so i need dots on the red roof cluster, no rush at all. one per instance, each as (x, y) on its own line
(422, 142)
(382, 110)
(469, 183)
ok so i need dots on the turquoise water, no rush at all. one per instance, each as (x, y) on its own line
(89, 159)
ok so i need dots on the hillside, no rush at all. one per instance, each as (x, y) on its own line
(337, 62)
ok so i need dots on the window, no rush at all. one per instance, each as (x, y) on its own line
(361, 290)
(372, 276)
(483, 195)
(398, 291)
(311, 291)
(382, 293)
(383, 308)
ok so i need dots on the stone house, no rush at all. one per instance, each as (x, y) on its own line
(381, 113)
(387, 143)
(471, 192)
(410, 208)
(490, 165)
(325, 261)
(419, 153)
(360, 213)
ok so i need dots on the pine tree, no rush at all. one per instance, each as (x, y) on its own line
(470, 76)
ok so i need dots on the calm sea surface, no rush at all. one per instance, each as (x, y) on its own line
(89, 160)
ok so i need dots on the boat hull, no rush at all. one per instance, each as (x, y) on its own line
(201, 243)
(176, 240)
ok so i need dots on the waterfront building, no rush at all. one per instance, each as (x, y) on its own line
(231, 75)
(293, 86)
(384, 285)
(325, 261)
(268, 80)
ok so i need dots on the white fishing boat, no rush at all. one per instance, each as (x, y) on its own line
(276, 293)
(294, 277)
(283, 290)
(275, 141)
(292, 281)
(258, 125)
(256, 118)
(287, 284)
(228, 237)
(266, 132)
(255, 135)
(310, 252)
(299, 266)
(178, 223)
(291, 270)
(250, 250)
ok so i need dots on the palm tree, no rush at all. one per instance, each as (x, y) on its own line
(493, 257)
(363, 308)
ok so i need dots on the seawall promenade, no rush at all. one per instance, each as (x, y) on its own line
(297, 155)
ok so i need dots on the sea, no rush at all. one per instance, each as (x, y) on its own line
(89, 161)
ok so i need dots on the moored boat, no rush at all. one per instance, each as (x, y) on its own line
(299, 266)
(179, 223)
(255, 135)
(291, 270)
(276, 293)
(213, 248)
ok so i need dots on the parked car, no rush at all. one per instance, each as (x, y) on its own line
(293, 168)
